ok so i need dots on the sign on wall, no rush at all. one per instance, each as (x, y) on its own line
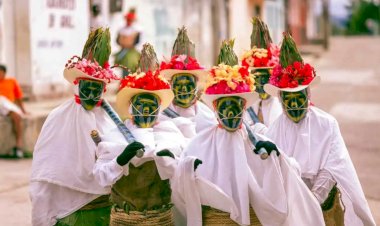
(59, 29)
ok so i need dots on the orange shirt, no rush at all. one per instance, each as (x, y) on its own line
(10, 89)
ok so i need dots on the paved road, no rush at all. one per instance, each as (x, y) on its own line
(350, 91)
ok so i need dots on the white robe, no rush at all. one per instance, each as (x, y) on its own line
(316, 143)
(63, 158)
(164, 135)
(193, 119)
(272, 187)
(271, 109)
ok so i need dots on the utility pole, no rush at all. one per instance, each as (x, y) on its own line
(326, 23)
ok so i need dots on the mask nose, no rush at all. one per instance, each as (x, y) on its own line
(146, 110)
(184, 89)
(230, 114)
(294, 104)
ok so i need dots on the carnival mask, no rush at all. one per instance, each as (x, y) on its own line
(184, 87)
(90, 93)
(230, 112)
(261, 78)
(145, 108)
(295, 104)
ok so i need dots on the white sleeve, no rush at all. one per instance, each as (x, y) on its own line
(106, 170)
(323, 185)
(259, 128)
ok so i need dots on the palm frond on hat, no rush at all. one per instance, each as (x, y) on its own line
(289, 52)
(94, 61)
(148, 59)
(98, 46)
(291, 75)
(227, 55)
(260, 36)
(183, 45)
(183, 59)
(147, 79)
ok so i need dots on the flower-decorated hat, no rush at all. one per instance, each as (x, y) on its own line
(182, 59)
(263, 53)
(292, 74)
(94, 61)
(228, 78)
(147, 79)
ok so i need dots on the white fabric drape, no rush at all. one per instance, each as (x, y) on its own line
(164, 135)
(63, 159)
(271, 109)
(317, 144)
(193, 119)
(272, 187)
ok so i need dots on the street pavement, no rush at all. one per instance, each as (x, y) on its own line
(350, 91)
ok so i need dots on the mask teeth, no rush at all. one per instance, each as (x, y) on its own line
(194, 91)
(97, 98)
(141, 114)
(237, 116)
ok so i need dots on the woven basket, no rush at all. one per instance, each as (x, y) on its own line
(214, 217)
(335, 215)
(152, 217)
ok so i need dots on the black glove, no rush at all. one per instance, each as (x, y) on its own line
(268, 146)
(165, 152)
(129, 152)
(197, 162)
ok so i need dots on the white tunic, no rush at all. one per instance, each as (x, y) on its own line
(63, 158)
(272, 187)
(164, 135)
(193, 119)
(271, 108)
(316, 143)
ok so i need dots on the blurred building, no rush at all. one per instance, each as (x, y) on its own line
(305, 20)
(37, 39)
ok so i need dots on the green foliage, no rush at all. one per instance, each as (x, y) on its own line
(148, 59)
(98, 46)
(227, 54)
(260, 36)
(289, 52)
(183, 45)
(361, 12)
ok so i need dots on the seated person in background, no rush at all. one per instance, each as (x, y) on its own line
(11, 105)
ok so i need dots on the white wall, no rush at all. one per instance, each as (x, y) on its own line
(57, 32)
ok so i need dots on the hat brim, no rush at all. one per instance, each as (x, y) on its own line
(124, 96)
(249, 97)
(71, 74)
(273, 90)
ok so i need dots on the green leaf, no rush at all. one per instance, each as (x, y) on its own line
(227, 54)
(260, 36)
(98, 47)
(183, 45)
(148, 59)
(289, 52)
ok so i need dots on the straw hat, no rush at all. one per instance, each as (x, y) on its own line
(229, 79)
(292, 74)
(182, 59)
(148, 79)
(94, 61)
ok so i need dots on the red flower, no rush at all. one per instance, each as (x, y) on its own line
(292, 76)
(178, 62)
(150, 81)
